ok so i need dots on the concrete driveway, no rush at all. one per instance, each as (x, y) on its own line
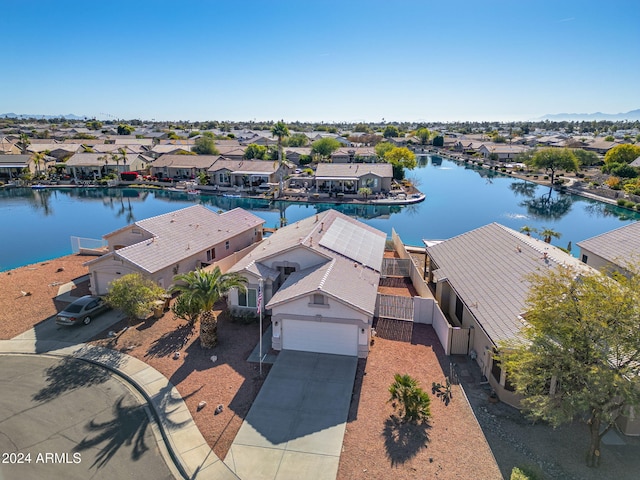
(74, 420)
(48, 330)
(296, 424)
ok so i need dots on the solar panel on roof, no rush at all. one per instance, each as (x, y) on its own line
(354, 242)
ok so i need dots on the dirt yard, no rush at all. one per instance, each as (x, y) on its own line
(377, 446)
(27, 294)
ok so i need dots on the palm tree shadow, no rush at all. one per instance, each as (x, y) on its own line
(72, 373)
(171, 342)
(127, 427)
(403, 441)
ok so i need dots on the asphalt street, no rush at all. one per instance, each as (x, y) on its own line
(63, 418)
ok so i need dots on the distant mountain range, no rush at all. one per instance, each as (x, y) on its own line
(68, 116)
(577, 117)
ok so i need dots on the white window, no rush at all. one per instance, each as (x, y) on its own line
(211, 254)
(226, 245)
(248, 298)
(318, 299)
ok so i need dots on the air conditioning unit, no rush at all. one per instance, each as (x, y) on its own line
(473, 354)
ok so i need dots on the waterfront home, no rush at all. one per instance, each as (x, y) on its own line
(502, 151)
(96, 165)
(350, 177)
(246, 173)
(12, 166)
(599, 145)
(178, 242)
(182, 166)
(613, 251)
(480, 282)
(354, 154)
(319, 281)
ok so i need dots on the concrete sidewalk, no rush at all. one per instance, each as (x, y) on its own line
(186, 445)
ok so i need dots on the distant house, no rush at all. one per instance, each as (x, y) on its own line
(231, 152)
(96, 165)
(350, 177)
(245, 173)
(7, 147)
(612, 251)
(159, 150)
(11, 166)
(293, 154)
(503, 152)
(354, 154)
(480, 282)
(164, 246)
(182, 166)
(599, 145)
(320, 278)
(60, 151)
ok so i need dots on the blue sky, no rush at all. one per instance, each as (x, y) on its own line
(320, 61)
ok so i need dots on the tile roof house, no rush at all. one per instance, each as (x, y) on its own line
(480, 283)
(245, 173)
(354, 154)
(99, 164)
(320, 278)
(11, 166)
(182, 166)
(174, 243)
(350, 177)
(614, 250)
(503, 152)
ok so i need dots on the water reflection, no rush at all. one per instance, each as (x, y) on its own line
(548, 206)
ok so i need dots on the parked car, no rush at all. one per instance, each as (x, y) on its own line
(82, 311)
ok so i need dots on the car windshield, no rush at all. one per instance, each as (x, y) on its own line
(73, 308)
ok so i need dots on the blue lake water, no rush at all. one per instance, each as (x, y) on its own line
(37, 224)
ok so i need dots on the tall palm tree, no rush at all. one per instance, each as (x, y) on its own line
(411, 397)
(204, 289)
(24, 143)
(548, 233)
(280, 131)
(37, 158)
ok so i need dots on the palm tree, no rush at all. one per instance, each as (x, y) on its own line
(37, 158)
(204, 289)
(280, 131)
(547, 233)
(24, 143)
(411, 397)
(528, 230)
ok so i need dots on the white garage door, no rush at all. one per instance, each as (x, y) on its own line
(336, 338)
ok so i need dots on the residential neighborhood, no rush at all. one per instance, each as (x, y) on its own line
(308, 317)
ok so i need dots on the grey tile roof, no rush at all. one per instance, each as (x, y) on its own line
(618, 246)
(19, 159)
(185, 161)
(180, 234)
(244, 166)
(89, 160)
(488, 266)
(353, 169)
(339, 278)
(338, 272)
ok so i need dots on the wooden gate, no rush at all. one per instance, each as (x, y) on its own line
(460, 339)
(394, 307)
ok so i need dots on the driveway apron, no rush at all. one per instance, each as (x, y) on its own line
(296, 424)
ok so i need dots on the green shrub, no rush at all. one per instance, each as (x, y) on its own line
(621, 202)
(638, 207)
(526, 472)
